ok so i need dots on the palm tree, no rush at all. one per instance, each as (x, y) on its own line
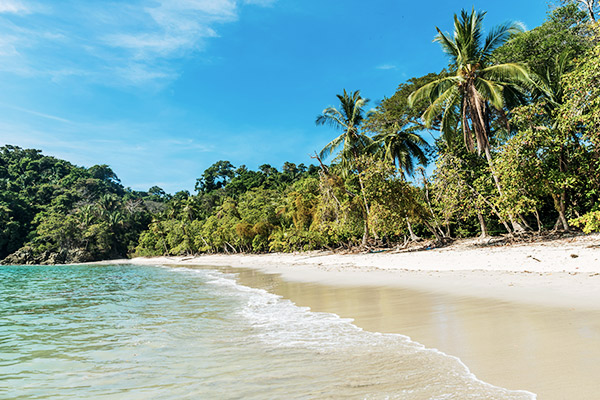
(476, 87)
(549, 88)
(402, 147)
(351, 142)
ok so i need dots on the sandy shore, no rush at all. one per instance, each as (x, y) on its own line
(524, 316)
(563, 272)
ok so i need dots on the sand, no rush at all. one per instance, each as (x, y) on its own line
(522, 316)
(561, 273)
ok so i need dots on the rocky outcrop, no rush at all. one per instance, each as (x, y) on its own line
(26, 256)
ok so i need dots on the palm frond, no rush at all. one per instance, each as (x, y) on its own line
(332, 117)
(515, 96)
(432, 90)
(490, 91)
(498, 36)
(348, 118)
(331, 147)
(509, 72)
(448, 46)
(438, 105)
(467, 36)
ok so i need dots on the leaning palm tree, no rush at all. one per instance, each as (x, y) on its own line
(477, 86)
(351, 143)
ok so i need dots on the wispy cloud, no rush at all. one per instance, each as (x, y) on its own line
(13, 7)
(113, 42)
(386, 67)
(36, 113)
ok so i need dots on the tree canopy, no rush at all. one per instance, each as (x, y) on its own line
(510, 130)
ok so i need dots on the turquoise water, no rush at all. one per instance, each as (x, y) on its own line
(141, 332)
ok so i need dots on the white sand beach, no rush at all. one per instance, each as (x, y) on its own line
(563, 272)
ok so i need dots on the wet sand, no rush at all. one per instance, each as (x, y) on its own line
(550, 351)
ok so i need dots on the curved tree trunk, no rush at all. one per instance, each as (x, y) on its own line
(433, 230)
(479, 114)
(562, 201)
(559, 205)
(413, 237)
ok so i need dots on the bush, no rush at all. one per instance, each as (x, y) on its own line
(589, 222)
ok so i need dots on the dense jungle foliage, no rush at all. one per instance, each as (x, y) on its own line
(53, 212)
(516, 115)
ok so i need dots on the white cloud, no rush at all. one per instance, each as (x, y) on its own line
(141, 74)
(112, 42)
(149, 45)
(36, 113)
(386, 67)
(13, 7)
(8, 45)
(172, 28)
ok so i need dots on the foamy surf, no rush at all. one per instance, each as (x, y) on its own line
(369, 364)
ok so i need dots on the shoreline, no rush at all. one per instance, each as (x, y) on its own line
(524, 316)
(558, 273)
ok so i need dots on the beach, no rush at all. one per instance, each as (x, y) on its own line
(521, 316)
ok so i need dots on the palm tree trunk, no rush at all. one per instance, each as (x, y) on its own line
(479, 116)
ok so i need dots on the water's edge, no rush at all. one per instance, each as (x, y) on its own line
(137, 332)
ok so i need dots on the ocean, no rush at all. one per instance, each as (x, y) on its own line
(147, 332)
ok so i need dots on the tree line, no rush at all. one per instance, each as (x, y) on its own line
(516, 120)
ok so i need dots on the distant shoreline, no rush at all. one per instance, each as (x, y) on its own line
(559, 273)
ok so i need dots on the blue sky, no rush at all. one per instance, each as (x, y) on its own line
(159, 90)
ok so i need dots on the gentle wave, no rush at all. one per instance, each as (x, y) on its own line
(139, 332)
(279, 323)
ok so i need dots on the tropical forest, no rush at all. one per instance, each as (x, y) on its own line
(504, 140)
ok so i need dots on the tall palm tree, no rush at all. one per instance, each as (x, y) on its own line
(351, 143)
(476, 86)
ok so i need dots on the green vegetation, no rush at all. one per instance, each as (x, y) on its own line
(53, 212)
(517, 116)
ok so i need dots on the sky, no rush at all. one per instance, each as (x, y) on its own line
(161, 89)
